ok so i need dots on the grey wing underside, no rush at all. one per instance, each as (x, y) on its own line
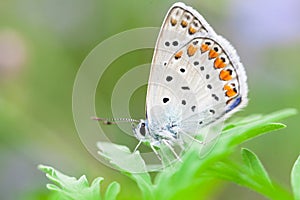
(180, 89)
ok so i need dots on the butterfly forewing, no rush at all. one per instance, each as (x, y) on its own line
(179, 27)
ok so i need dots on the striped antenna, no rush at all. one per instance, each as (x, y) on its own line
(114, 120)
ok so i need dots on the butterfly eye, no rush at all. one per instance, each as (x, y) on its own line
(143, 130)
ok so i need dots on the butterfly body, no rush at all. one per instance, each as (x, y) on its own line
(155, 135)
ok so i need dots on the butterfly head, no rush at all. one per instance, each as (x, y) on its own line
(141, 131)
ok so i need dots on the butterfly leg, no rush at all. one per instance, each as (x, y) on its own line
(156, 153)
(172, 149)
(137, 146)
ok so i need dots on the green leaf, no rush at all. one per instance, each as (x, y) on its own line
(182, 177)
(143, 181)
(69, 188)
(239, 174)
(239, 134)
(112, 191)
(121, 157)
(295, 179)
(195, 176)
(131, 164)
(254, 165)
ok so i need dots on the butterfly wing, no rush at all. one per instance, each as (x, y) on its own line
(196, 77)
(180, 25)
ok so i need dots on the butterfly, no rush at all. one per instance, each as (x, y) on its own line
(196, 80)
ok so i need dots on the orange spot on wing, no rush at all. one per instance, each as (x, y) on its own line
(219, 63)
(184, 23)
(178, 54)
(192, 30)
(227, 87)
(191, 50)
(212, 54)
(225, 75)
(173, 22)
(230, 92)
(204, 48)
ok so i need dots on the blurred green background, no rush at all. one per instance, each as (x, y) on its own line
(43, 43)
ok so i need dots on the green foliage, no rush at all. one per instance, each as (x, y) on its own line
(69, 188)
(194, 177)
(295, 176)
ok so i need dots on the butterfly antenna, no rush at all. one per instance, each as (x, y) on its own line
(114, 120)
